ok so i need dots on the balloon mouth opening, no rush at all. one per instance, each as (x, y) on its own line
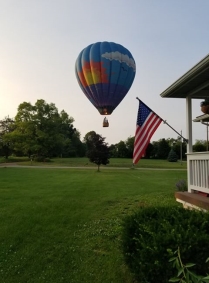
(106, 110)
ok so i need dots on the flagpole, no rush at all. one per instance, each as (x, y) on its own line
(164, 121)
(186, 140)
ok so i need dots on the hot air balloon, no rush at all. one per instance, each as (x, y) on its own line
(105, 72)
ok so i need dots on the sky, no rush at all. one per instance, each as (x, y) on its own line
(40, 41)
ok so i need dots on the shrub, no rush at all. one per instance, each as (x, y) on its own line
(181, 186)
(172, 156)
(151, 233)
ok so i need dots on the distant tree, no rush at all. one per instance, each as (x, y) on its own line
(6, 127)
(73, 147)
(122, 150)
(154, 151)
(88, 138)
(130, 146)
(97, 149)
(113, 151)
(149, 150)
(200, 146)
(172, 156)
(163, 149)
(78, 144)
(178, 146)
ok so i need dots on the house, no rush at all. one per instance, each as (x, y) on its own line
(194, 84)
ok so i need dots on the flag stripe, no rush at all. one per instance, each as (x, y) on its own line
(145, 142)
(147, 124)
(143, 146)
(145, 128)
(144, 133)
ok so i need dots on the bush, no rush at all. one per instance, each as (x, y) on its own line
(172, 156)
(181, 186)
(152, 233)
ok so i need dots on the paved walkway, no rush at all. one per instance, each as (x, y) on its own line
(10, 165)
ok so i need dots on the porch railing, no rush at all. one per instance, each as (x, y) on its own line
(198, 171)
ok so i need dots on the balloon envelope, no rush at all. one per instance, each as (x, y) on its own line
(105, 72)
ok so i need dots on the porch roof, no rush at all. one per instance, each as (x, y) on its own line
(194, 83)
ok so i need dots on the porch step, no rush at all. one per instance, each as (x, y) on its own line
(192, 200)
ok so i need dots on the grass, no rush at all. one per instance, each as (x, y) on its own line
(63, 225)
(114, 162)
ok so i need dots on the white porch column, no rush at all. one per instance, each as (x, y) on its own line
(189, 123)
(189, 137)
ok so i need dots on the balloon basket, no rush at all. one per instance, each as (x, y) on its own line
(105, 124)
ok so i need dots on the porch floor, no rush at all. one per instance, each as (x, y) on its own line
(193, 200)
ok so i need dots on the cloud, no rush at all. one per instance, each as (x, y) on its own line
(121, 58)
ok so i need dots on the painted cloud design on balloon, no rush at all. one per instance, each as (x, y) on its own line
(121, 58)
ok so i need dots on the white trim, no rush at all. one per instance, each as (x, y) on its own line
(189, 123)
(187, 76)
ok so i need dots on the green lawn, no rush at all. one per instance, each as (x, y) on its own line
(64, 225)
(114, 162)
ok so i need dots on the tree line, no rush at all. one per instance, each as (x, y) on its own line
(41, 131)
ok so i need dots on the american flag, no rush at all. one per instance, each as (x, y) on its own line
(147, 123)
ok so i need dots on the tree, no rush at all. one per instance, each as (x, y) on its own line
(172, 156)
(163, 149)
(88, 139)
(73, 146)
(6, 127)
(149, 151)
(130, 146)
(41, 130)
(200, 145)
(155, 146)
(122, 150)
(97, 149)
(113, 151)
(180, 148)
